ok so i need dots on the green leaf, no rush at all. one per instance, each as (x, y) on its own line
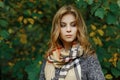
(6, 52)
(101, 52)
(106, 64)
(110, 31)
(20, 75)
(114, 7)
(111, 19)
(39, 16)
(30, 4)
(90, 1)
(93, 9)
(115, 72)
(27, 12)
(118, 64)
(81, 3)
(118, 2)
(118, 26)
(3, 23)
(104, 71)
(100, 13)
(18, 69)
(32, 71)
(4, 34)
(5, 69)
(106, 5)
(117, 41)
(1, 4)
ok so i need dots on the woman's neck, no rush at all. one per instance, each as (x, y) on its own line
(67, 46)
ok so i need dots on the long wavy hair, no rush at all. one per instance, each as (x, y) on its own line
(82, 36)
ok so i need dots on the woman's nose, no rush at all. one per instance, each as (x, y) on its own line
(68, 29)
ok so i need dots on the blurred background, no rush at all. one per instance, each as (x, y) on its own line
(25, 31)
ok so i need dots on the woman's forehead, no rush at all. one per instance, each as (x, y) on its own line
(68, 17)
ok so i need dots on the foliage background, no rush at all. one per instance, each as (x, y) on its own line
(24, 34)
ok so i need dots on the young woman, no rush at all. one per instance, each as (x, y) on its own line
(70, 56)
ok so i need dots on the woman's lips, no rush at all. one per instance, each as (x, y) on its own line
(68, 36)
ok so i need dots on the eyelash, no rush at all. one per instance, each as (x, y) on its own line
(73, 25)
(63, 25)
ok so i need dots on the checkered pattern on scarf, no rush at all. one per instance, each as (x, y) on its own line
(71, 61)
(64, 70)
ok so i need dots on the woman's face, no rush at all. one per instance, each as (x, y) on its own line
(68, 28)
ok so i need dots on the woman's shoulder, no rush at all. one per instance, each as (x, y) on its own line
(91, 62)
(43, 62)
(88, 60)
(43, 65)
(89, 57)
(92, 67)
(42, 75)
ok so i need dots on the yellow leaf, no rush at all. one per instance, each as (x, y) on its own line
(33, 58)
(23, 38)
(95, 40)
(100, 31)
(1, 38)
(117, 37)
(99, 41)
(114, 64)
(23, 58)
(39, 12)
(10, 45)
(104, 26)
(10, 64)
(105, 59)
(10, 30)
(20, 19)
(115, 55)
(31, 21)
(26, 52)
(92, 34)
(35, 11)
(114, 59)
(25, 21)
(17, 59)
(21, 52)
(39, 62)
(7, 42)
(96, 0)
(111, 60)
(93, 27)
(108, 76)
(108, 38)
(33, 48)
(31, 0)
(35, 17)
(22, 30)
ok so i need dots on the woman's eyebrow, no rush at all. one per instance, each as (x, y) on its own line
(73, 22)
(62, 22)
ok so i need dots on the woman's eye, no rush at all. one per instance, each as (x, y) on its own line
(73, 24)
(63, 25)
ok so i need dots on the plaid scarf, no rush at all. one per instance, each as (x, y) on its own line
(66, 61)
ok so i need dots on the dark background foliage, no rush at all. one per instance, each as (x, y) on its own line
(25, 31)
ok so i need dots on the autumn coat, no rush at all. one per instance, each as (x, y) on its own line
(90, 69)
